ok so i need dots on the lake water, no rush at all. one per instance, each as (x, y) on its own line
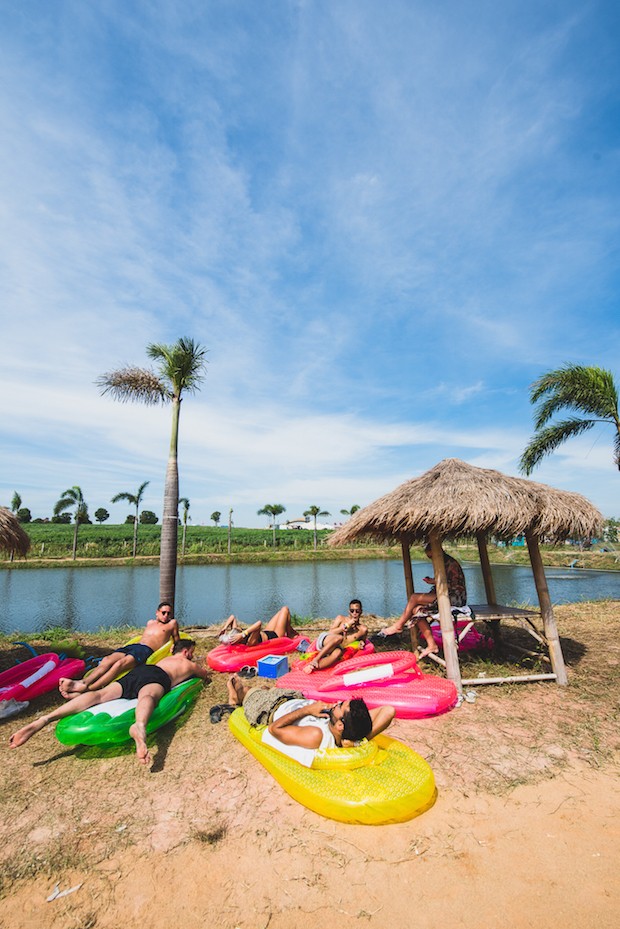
(89, 599)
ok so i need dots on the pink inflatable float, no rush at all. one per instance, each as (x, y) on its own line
(472, 640)
(38, 676)
(355, 648)
(230, 658)
(385, 678)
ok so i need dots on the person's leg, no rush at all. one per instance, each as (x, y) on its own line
(280, 623)
(105, 672)
(431, 646)
(332, 652)
(81, 702)
(148, 698)
(414, 603)
(236, 690)
(381, 717)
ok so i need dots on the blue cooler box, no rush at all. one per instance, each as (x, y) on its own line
(272, 666)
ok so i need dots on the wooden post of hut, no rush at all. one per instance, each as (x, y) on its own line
(450, 651)
(405, 545)
(489, 584)
(546, 610)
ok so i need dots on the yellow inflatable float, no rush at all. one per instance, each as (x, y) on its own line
(379, 782)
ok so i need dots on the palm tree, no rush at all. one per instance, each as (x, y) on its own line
(73, 497)
(16, 502)
(135, 500)
(181, 368)
(590, 390)
(315, 511)
(184, 502)
(272, 510)
(350, 512)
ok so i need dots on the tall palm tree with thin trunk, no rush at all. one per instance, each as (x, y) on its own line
(135, 500)
(184, 502)
(180, 369)
(272, 510)
(589, 390)
(73, 497)
(315, 511)
(16, 502)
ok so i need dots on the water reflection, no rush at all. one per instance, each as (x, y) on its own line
(88, 599)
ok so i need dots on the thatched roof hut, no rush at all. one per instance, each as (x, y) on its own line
(456, 499)
(12, 536)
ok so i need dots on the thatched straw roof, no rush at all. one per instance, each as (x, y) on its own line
(12, 536)
(455, 499)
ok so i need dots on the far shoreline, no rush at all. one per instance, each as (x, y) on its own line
(552, 557)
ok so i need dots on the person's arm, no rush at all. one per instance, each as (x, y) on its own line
(175, 631)
(287, 732)
(201, 671)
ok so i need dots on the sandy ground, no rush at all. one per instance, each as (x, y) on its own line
(525, 831)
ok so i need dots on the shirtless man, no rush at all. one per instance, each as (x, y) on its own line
(156, 633)
(343, 631)
(147, 682)
(294, 723)
(279, 625)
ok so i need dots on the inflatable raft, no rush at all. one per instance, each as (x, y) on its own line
(108, 723)
(231, 658)
(38, 676)
(382, 679)
(470, 642)
(382, 781)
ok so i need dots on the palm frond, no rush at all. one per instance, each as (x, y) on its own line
(132, 383)
(181, 364)
(130, 498)
(589, 389)
(547, 440)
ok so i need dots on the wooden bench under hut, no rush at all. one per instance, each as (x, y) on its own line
(455, 500)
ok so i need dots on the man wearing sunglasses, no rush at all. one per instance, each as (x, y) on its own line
(156, 633)
(343, 631)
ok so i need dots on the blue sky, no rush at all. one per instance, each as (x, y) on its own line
(384, 221)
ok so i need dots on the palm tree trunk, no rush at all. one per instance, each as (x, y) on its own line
(135, 532)
(274, 532)
(315, 533)
(184, 533)
(170, 517)
(75, 535)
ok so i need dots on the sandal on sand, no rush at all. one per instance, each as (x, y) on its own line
(216, 712)
(247, 671)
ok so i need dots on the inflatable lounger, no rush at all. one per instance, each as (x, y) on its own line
(355, 648)
(383, 679)
(471, 641)
(234, 657)
(381, 781)
(38, 676)
(108, 723)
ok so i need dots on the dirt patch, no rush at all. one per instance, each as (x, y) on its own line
(524, 831)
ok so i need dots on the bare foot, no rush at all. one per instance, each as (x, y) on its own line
(26, 732)
(138, 734)
(70, 688)
(391, 630)
(429, 650)
(309, 667)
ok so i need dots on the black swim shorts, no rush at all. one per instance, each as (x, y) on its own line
(138, 678)
(140, 653)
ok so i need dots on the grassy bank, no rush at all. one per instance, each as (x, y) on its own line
(111, 546)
